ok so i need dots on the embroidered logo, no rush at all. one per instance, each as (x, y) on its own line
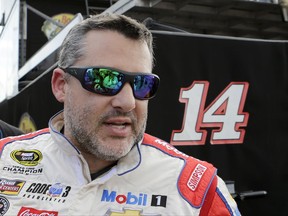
(26, 211)
(159, 200)
(4, 205)
(47, 192)
(27, 157)
(196, 176)
(10, 187)
(129, 198)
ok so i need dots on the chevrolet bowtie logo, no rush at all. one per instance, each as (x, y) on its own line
(128, 212)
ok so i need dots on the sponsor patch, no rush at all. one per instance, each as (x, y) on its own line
(10, 187)
(47, 192)
(159, 200)
(4, 205)
(27, 157)
(26, 211)
(129, 198)
(196, 176)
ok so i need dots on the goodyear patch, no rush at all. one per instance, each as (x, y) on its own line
(47, 192)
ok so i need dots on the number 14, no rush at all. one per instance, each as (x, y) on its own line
(225, 113)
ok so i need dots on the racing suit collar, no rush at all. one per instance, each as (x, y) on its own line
(131, 161)
(56, 124)
(125, 165)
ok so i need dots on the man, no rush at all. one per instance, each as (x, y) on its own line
(95, 158)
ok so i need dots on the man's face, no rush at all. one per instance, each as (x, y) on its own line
(107, 126)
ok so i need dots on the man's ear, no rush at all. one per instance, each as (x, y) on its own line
(58, 84)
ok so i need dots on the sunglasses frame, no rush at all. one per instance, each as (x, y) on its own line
(79, 74)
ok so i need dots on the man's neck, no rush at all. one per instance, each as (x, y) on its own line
(95, 165)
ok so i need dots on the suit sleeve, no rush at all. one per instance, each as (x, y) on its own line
(222, 203)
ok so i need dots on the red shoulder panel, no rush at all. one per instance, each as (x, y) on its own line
(164, 146)
(6, 140)
(195, 181)
(196, 176)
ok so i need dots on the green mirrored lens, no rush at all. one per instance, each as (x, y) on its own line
(102, 80)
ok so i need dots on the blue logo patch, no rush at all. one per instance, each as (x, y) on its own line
(129, 198)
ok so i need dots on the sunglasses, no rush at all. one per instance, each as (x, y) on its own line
(109, 81)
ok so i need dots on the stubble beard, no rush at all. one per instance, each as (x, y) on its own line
(90, 139)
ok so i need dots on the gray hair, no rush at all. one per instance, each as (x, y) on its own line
(72, 47)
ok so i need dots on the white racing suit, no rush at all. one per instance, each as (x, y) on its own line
(42, 173)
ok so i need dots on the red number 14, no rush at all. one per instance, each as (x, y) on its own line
(225, 115)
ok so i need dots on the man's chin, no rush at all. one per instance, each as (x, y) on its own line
(113, 150)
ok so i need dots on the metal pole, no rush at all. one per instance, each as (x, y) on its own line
(44, 16)
(23, 12)
(87, 8)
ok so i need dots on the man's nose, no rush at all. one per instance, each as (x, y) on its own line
(125, 99)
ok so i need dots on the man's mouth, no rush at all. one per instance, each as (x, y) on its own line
(118, 126)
